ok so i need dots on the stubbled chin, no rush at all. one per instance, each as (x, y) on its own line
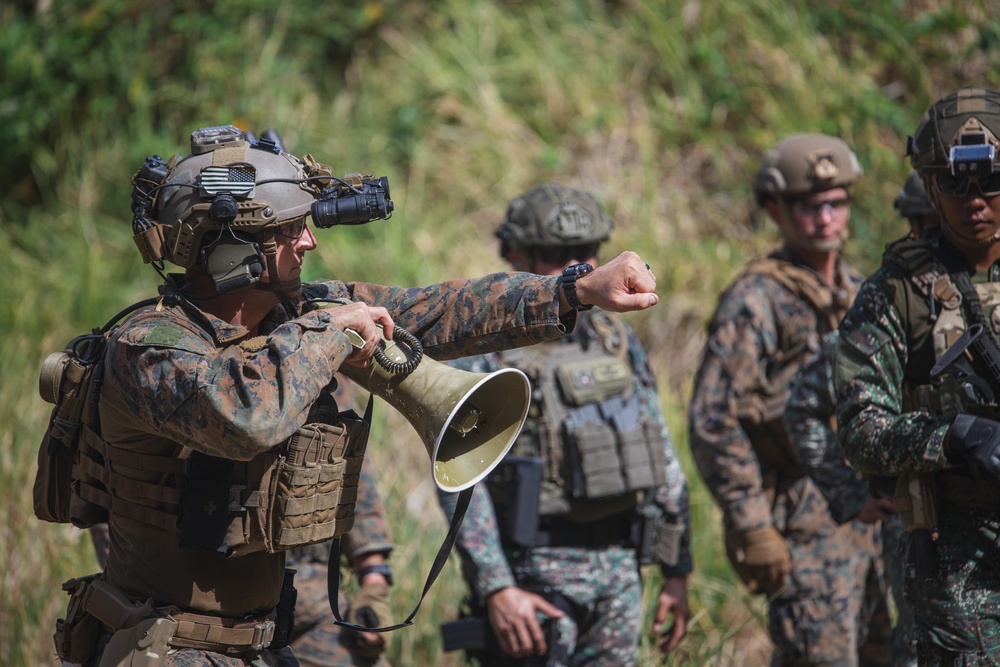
(820, 245)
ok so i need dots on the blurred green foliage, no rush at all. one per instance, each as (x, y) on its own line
(660, 107)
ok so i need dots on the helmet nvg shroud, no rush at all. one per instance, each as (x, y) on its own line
(957, 138)
(219, 208)
(553, 216)
(803, 164)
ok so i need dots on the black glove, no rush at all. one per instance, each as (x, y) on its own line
(976, 440)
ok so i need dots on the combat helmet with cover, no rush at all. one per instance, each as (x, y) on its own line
(219, 209)
(803, 164)
(553, 216)
(912, 201)
(957, 138)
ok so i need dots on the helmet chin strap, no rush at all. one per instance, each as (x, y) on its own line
(956, 240)
(286, 290)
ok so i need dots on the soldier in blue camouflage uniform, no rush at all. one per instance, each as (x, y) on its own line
(899, 416)
(781, 536)
(217, 457)
(573, 556)
(809, 414)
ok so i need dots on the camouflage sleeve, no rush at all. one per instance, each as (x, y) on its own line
(809, 414)
(479, 543)
(370, 533)
(741, 338)
(463, 317)
(877, 436)
(672, 497)
(223, 400)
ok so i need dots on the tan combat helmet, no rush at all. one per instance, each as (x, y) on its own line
(957, 138)
(803, 164)
(219, 209)
(553, 216)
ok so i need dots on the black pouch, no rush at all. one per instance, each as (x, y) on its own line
(518, 480)
(77, 635)
(204, 515)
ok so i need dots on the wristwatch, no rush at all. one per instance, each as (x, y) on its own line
(381, 568)
(568, 283)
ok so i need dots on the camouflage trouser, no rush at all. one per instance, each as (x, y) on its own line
(603, 589)
(835, 610)
(318, 641)
(903, 653)
(957, 609)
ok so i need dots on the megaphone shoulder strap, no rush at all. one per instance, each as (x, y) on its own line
(333, 569)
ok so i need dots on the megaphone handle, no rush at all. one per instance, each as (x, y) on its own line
(333, 569)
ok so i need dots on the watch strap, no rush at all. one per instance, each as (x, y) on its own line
(568, 283)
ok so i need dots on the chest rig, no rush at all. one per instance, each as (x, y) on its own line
(300, 492)
(948, 316)
(585, 423)
(761, 413)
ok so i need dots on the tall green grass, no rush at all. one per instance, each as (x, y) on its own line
(660, 108)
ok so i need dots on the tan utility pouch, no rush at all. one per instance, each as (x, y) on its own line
(65, 381)
(310, 492)
(668, 542)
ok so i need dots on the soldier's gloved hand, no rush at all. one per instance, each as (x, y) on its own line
(977, 441)
(765, 559)
(370, 608)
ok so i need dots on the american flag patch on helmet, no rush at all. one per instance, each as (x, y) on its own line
(237, 180)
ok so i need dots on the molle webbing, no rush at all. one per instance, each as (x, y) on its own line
(925, 271)
(114, 610)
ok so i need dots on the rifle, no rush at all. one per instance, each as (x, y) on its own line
(475, 634)
(973, 363)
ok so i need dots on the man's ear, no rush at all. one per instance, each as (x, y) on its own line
(520, 261)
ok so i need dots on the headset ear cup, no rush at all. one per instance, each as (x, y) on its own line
(256, 266)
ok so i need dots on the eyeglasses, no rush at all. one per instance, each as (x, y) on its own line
(292, 229)
(954, 185)
(814, 210)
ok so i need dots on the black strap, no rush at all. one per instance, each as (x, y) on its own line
(333, 569)
(954, 263)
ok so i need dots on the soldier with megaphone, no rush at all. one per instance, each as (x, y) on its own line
(554, 538)
(205, 454)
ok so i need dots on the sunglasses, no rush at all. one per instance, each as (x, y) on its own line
(293, 229)
(954, 185)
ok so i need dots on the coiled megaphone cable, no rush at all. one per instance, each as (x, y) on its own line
(413, 346)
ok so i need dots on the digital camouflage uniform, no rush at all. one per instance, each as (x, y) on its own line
(177, 380)
(811, 408)
(600, 587)
(886, 351)
(764, 328)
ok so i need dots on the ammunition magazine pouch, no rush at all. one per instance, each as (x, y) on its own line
(587, 424)
(612, 449)
(141, 634)
(657, 538)
(306, 491)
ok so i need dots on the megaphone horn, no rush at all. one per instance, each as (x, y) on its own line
(467, 421)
